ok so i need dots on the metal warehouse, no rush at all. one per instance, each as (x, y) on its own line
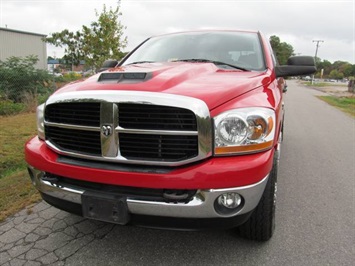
(21, 44)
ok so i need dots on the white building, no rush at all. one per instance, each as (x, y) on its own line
(21, 44)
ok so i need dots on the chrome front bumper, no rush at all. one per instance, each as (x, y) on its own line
(201, 206)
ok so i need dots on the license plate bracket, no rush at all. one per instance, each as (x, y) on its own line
(103, 207)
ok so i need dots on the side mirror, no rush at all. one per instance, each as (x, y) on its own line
(297, 66)
(110, 63)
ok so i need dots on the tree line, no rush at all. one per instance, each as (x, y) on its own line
(337, 70)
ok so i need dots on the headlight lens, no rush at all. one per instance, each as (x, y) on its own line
(232, 130)
(244, 130)
(40, 121)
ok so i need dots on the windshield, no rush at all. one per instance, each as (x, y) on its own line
(241, 49)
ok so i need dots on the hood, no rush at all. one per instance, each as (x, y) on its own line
(204, 81)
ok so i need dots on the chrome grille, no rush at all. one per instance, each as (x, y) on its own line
(144, 128)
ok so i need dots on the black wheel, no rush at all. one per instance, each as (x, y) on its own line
(261, 224)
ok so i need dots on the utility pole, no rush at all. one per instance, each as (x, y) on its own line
(315, 56)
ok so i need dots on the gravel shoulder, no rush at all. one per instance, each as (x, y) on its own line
(334, 90)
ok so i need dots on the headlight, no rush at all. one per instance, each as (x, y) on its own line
(40, 121)
(245, 130)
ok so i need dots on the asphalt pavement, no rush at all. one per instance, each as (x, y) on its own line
(314, 218)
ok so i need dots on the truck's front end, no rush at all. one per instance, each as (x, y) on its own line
(183, 133)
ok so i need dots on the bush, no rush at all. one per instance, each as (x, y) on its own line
(71, 76)
(18, 76)
(22, 87)
(41, 98)
(10, 108)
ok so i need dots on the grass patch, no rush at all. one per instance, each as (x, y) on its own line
(11, 108)
(324, 84)
(16, 190)
(346, 104)
(14, 132)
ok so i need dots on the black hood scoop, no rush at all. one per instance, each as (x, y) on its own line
(127, 77)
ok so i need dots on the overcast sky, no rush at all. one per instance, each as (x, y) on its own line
(295, 22)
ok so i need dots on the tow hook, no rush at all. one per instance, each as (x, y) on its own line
(175, 195)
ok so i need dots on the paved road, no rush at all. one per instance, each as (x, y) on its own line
(315, 212)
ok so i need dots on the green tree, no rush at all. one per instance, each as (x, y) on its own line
(282, 50)
(325, 65)
(347, 69)
(104, 39)
(72, 44)
(100, 41)
(352, 71)
(335, 74)
(337, 70)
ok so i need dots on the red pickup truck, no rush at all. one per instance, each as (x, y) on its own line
(184, 132)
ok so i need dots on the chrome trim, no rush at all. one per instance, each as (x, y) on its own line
(40, 121)
(109, 117)
(64, 193)
(110, 144)
(69, 126)
(201, 206)
(160, 132)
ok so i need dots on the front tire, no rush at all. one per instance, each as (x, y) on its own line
(261, 224)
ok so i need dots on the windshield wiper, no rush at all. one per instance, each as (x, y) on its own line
(200, 60)
(140, 62)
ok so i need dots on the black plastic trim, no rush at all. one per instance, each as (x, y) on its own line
(148, 194)
(114, 166)
(64, 205)
(127, 77)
